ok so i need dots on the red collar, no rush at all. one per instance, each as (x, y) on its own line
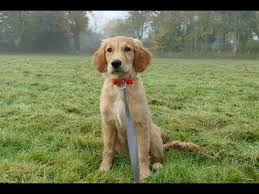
(121, 81)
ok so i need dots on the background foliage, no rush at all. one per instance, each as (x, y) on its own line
(166, 33)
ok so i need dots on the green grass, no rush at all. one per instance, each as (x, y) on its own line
(50, 129)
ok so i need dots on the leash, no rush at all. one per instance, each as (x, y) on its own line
(131, 136)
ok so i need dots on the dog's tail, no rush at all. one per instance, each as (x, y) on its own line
(186, 146)
(183, 146)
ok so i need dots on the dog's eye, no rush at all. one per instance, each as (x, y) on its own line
(109, 50)
(127, 49)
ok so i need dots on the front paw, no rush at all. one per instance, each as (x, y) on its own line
(104, 167)
(156, 166)
(144, 173)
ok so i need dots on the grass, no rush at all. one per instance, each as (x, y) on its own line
(50, 129)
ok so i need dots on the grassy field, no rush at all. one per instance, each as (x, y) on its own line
(50, 129)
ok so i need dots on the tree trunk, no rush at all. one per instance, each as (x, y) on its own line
(224, 42)
(206, 45)
(191, 46)
(140, 34)
(236, 38)
(236, 44)
(76, 33)
(76, 42)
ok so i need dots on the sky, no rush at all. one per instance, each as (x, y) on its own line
(98, 19)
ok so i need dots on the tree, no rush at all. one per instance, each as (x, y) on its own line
(242, 26)
(135, 25)
(78, 22)
(73, 23)
(157, 40)
(167, 31)
(117, 27)
(12, 26)
(203, 29)
(42, 32)
(138, 22)
(257, 23)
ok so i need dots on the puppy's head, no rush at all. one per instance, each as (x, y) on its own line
(121, 56)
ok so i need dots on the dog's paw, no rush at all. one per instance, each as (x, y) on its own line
(156, 166)
(144, 173)
(104, 167)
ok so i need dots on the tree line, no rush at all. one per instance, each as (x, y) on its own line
(192, 33)
(166, 33)
(42, 30)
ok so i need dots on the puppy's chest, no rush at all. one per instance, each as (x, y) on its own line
(119, 110)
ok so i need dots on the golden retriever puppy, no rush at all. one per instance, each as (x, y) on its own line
(123, 58)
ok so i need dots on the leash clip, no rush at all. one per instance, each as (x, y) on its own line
(124, 87)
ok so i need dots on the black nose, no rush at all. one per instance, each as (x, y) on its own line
(116, 63)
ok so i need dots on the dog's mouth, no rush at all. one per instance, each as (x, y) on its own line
(118, 72)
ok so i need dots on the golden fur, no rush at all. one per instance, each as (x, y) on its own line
(135, 59)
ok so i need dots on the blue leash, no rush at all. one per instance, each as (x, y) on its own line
(131, 136)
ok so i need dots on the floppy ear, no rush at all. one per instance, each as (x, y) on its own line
(142, 57)
(99, 59)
